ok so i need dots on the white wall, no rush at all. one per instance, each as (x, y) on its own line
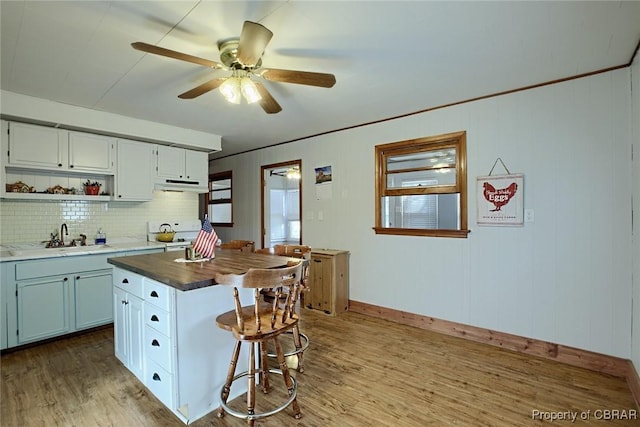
(635, 130)
(565, 278)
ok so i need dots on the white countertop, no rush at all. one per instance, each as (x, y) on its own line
(24, 251)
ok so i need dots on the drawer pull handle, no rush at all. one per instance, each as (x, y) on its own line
(154, 318)
(155, 343)
(156, 377)
(317, 260)
(125, 281)
(154, 294)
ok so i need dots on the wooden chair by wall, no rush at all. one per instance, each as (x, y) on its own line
(300, 340)
(259, 324)
(241, 245)
(297, 251)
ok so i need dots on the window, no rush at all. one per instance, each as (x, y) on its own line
(220, 199)
(421, 187)
(285, 215)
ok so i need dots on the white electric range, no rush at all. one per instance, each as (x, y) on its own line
(186, 233)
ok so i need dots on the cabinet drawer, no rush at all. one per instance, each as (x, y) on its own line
(59, 266)
(158, 348)
(160, 382)
(128, 281)
(158, 294)
(158, 319)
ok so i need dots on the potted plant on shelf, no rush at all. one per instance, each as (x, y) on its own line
(92, 188)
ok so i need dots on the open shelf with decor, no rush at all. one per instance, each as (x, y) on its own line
(30, 184)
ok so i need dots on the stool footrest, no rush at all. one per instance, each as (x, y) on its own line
(305, 345)
(246, 416)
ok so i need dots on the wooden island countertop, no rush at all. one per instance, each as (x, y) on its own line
(186, 276)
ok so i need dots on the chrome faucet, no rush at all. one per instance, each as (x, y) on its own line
(66, 232)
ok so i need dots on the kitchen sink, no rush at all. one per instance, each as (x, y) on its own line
(60, 250)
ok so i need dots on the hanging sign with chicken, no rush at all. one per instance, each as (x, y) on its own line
(500, 200)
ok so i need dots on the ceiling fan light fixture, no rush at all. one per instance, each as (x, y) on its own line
(230, 89)
(293, 173)
(249, 90)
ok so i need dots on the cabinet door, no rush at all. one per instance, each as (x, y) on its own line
(43, 309)
(120, 334)
(8, 304)
(91, 153)
(93, 299)
(321, 273)
(171, 162)
(128, 327)
(37, 146)
(197, 166)
(135, 170)
(136, 336)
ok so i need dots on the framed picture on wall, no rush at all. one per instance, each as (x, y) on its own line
(323, 175)
(500, 200)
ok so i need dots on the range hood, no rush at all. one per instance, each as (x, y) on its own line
(182, 185)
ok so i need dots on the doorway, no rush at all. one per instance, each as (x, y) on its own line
(281, 204)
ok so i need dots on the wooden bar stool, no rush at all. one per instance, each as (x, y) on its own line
(259, 324)
(300, 340)
(241, 245)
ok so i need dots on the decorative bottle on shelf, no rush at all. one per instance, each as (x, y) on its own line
(101, 238)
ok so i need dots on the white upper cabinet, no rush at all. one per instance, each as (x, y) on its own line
(51, 163)
(197, 165)
(42, 147)
(37, 146)
(171, 162)
(134, 177)
(180, 164)
(91, 153)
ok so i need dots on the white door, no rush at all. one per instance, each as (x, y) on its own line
(281, 197)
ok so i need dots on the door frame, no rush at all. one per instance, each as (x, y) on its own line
(263, 187)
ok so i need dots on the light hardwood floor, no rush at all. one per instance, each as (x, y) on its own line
(359, 371)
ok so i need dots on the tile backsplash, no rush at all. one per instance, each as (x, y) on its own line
(26, 221)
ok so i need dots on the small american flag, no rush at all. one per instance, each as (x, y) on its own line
(206, 240)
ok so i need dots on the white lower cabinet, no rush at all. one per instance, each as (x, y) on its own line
(160, 382)
(185, 355)
(43, 309)
(160, 350)
(50, 297)
(55, 297)
(91, 291)
(128, 320)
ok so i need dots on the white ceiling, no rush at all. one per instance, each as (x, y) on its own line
(390, 58)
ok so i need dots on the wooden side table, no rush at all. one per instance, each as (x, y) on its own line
(328, 281)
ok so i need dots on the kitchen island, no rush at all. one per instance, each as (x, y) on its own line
(165, 329)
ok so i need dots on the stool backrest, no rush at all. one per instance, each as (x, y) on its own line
(297, 251)
(241, 245)
(281, 313)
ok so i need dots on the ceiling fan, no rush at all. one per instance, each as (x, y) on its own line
(243, 57)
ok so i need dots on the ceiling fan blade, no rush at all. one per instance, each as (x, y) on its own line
(254, 38)
(299, 77)
(149, 48)
(202, 89)
(268, 103)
